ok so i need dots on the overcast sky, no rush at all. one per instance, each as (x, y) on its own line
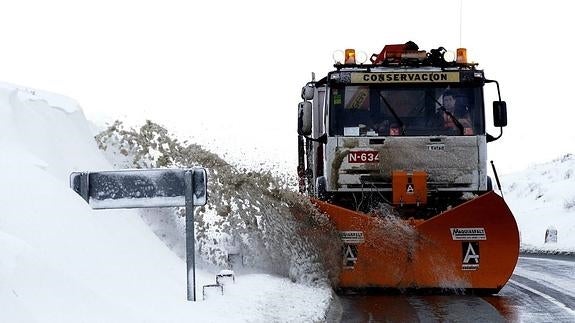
(229, 73)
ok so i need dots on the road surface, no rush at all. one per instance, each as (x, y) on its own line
(542, 289)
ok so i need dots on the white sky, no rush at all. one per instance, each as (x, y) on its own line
(230, 73)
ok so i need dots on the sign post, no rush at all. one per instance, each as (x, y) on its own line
(126, 189)
(190, 238)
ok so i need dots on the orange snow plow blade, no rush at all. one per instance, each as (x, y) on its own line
(470, 248)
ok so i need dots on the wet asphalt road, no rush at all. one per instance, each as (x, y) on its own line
(542, 289)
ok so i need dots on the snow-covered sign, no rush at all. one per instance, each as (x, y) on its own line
(149, 188)
(140, 188)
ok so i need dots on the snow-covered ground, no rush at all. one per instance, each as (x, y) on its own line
(60, 261)
(542, 197)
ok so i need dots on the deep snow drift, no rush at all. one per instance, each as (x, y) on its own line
(61, 261)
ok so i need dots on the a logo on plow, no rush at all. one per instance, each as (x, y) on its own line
(352, 236)
(470, 255)
(468, 233)
(409, 189)
(349, 256)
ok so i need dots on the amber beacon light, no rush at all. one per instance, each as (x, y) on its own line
(462, 56)
(350, 56)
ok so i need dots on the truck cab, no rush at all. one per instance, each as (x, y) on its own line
(401, 131)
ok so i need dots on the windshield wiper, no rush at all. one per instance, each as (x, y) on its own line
(394, 114)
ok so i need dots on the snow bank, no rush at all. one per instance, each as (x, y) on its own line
(61, 261)
(543, 197)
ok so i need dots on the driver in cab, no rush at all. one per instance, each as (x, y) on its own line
(455, 116)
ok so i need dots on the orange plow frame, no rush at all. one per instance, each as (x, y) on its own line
(473, 247)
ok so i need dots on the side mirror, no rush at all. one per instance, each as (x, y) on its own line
(304, 118)
(307, 92)
(499, 113)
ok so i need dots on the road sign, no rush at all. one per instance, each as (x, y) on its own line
(141, 188)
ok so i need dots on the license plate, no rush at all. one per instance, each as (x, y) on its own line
(363, 157)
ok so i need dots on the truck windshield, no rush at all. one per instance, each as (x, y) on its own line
(359, 110)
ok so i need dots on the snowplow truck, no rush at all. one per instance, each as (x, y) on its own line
(394, 153)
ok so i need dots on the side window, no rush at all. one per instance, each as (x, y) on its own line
(320, 117)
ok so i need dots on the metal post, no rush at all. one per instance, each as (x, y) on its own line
(190, 239)
(497, 178)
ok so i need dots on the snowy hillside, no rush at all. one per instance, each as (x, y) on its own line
(543, 197)
(63, 262)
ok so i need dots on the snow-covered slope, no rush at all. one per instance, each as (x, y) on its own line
(543, 197)
(63, 262)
